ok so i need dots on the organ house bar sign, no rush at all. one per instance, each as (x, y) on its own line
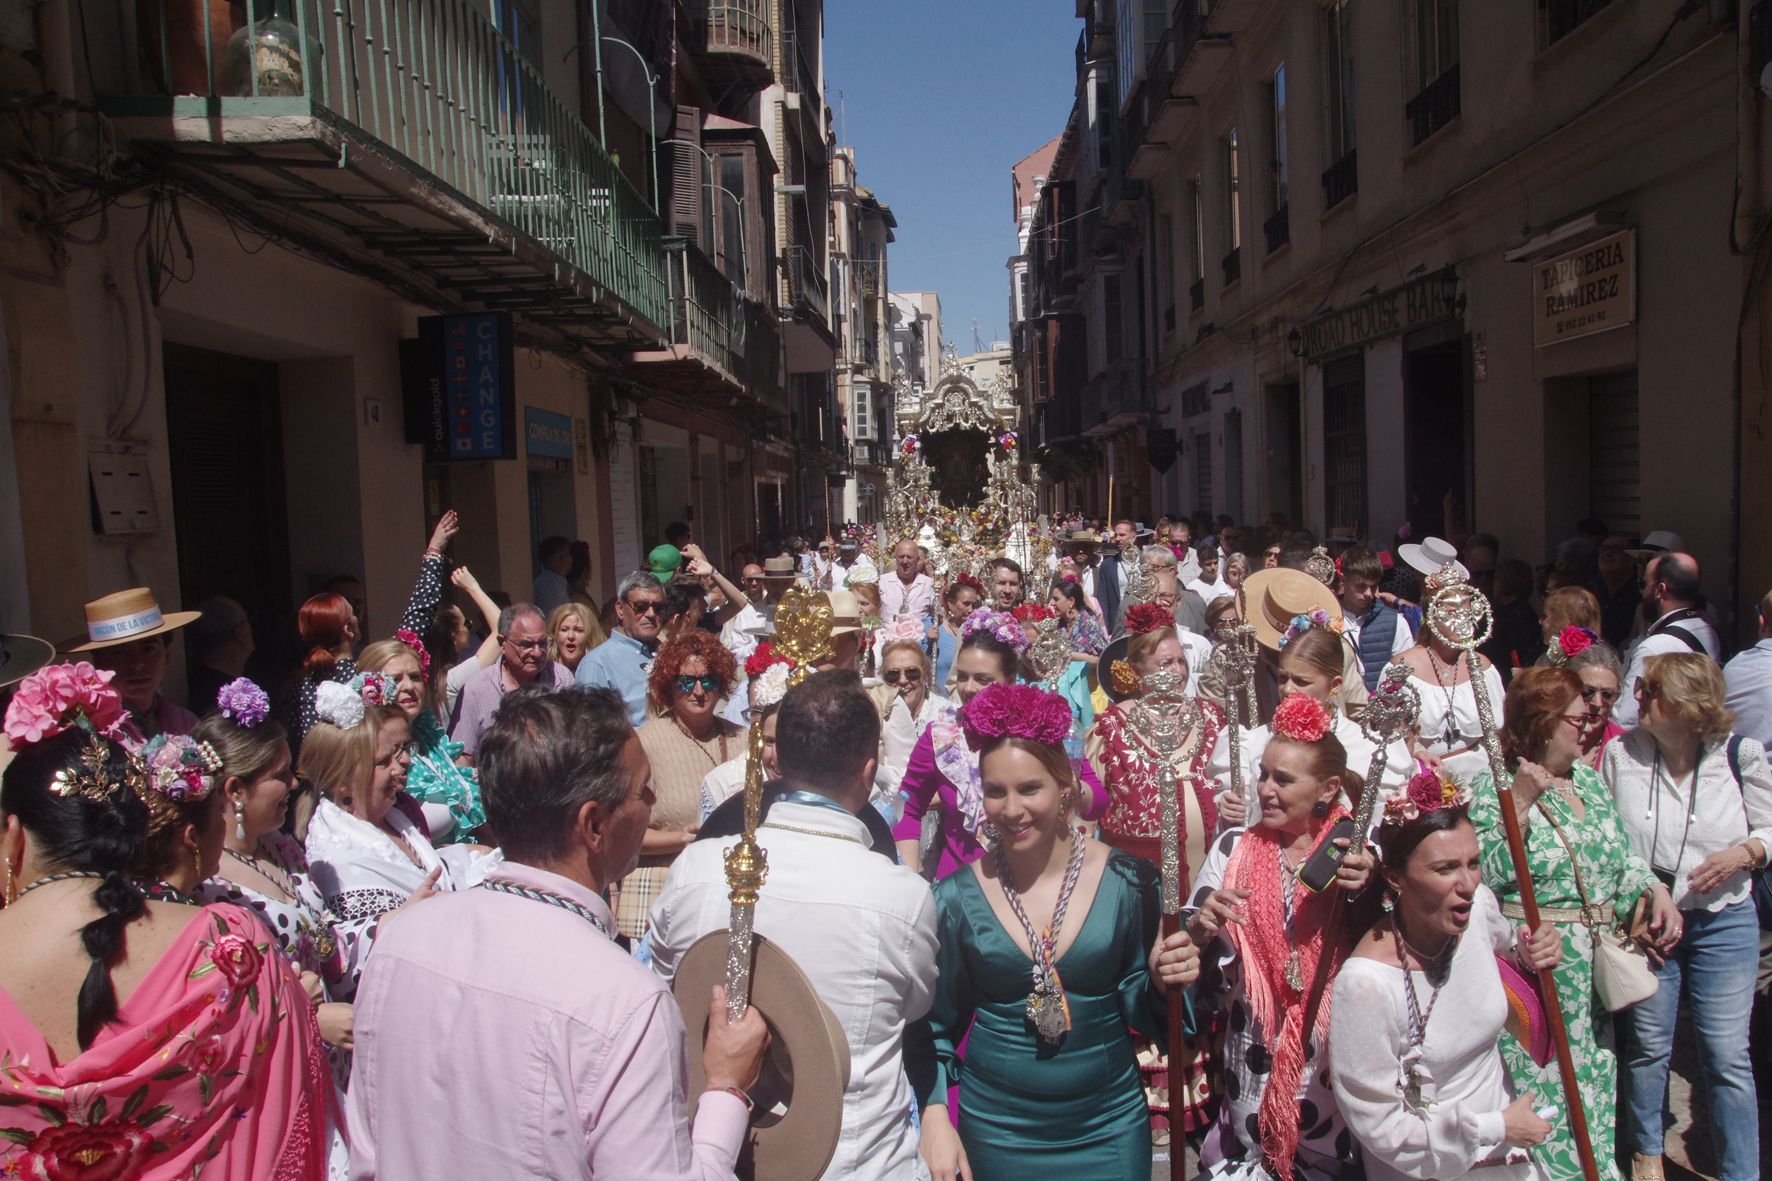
(1416, 304)
(1592, 289)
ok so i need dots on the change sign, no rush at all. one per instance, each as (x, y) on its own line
(1593, 289)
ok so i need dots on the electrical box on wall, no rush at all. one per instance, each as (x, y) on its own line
(122, 489)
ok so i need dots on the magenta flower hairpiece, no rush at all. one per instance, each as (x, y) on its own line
(1428, 790)
(1016, 711)
(410, 638)
(244, 702)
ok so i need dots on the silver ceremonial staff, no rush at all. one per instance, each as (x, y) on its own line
(1233, 659)
(1391, 712)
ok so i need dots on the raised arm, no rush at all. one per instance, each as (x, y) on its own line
(427, 592)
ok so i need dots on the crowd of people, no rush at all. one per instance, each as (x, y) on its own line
(428, 903)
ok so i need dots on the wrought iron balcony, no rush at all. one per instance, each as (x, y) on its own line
(1116, 397)
(868, 271)
(1196, 295)
(808, 289)
(735, 40)
(410, 135)
(1233, 265)
(716, 347)
(1341, 180)
(1436, 106)
(1278, 228)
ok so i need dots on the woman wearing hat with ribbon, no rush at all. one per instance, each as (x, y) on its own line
(1297, 622)
(1051, 1085)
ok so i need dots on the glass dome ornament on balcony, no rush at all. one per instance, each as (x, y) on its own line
(269, 58)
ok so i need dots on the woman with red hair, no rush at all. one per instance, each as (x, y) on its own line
(330, 631)
(690, 678)
(1588, 882)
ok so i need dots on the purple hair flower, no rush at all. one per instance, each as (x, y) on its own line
(244, 702)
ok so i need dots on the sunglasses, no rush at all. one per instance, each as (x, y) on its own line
(1606, 695)
(909, 675)
(708, 682)
(644, 606)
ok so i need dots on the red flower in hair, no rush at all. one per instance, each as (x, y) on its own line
(760, 660)
(1032, 613)
(969, 580)
(1147, 617)
(1574, 639)
(1301, 718)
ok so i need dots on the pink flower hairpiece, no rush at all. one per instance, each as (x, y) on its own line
(1016, 711)
(57, 698)
(244, 702)
(903, 628)
(1000, 624)
(1301, 718)
(180, 768)
(1430, 789)
(410, 638)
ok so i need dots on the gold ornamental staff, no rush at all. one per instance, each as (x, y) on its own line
(1459, 616)
(802, 634)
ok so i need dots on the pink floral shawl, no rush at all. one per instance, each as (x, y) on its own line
(212, 1069)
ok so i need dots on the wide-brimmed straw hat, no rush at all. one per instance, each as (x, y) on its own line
(845, 611)
(123, 618)
(806, 1068)
(22, 655)
(1279, 595)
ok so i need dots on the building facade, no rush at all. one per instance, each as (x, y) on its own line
(277, 295)
(1363, 263)
(862, 228)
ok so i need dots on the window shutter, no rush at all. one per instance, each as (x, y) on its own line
(688, 176)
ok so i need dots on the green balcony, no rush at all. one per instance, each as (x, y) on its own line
(719, 346)
(412, 136)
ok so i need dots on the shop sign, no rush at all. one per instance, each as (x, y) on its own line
(459, 383)
(546, 435)
(1593, 289)
(1419, 303)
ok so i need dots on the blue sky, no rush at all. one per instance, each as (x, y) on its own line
(939, 100)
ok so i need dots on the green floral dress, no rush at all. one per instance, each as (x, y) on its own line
(1615, 878)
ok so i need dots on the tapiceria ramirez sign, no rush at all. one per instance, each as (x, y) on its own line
(1593, 289)
(1416, 304)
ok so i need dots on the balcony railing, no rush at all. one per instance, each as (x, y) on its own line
(434, 84)
(808, 288)
(868, 271)
(1341, 180)
(1436, 106)
(1196, 295)
(1233, 265)
(1278, 228)
(704, 313)
(797, 75)
(737, 32)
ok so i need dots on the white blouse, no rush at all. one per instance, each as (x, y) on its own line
(1457, 1124)
(1675, 825)
(1456, 704)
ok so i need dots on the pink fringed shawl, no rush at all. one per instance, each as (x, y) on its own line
(1263, 944)
(212, 1069)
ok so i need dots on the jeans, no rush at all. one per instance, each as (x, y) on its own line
(1718, 959)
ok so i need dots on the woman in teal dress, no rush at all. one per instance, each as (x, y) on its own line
(1582, 864)
(447, 792)
(1051, 956)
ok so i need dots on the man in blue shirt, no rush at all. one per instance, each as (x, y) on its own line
(623, 661)
(1749, 677)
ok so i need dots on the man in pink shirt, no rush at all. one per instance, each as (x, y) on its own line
(907, 592)
(501, 1031)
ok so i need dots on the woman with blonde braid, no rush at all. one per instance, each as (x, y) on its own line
(1271, 948)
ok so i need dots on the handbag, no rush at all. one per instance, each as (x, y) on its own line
(1622, 975)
